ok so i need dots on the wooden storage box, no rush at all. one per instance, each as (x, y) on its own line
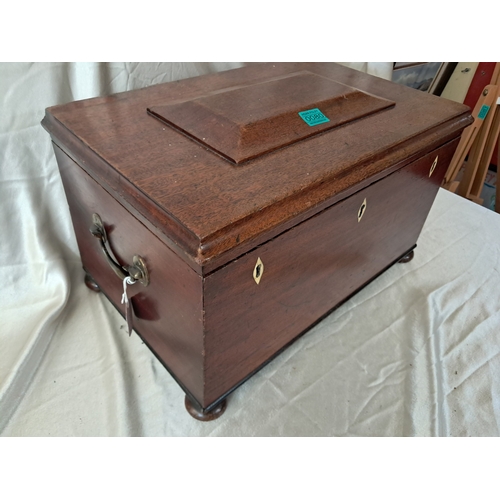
(249, 203)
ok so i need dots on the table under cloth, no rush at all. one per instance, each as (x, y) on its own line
(415, 353)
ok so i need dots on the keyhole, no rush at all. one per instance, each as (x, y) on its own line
(362, 210)
(257, 271)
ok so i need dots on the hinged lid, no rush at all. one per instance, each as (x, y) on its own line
(245, 122)
(210, 210)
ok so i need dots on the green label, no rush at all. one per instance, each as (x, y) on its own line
(313, 117)
(483, 112)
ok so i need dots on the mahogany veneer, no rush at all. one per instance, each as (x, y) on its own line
(253, 223)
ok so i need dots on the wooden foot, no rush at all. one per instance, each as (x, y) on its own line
(407, 257)
(91, 284)
(199, 414)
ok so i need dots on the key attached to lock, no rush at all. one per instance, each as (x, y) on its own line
(129, 311)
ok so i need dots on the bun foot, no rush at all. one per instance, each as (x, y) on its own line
(197, 413)
(91, 284)
(407, 257)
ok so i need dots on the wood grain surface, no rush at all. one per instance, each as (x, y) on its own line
(168, 313)
(245, 122)
(310, 269)
(209, 211)
(212, 333)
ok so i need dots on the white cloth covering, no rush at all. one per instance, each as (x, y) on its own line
(413, 354)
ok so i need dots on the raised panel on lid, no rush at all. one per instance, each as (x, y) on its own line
(244, 122)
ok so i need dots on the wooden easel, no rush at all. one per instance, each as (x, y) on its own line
(478, 141)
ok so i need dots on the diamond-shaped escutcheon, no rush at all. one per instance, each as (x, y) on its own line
(258, 271)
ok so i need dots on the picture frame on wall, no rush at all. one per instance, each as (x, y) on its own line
(425, 76)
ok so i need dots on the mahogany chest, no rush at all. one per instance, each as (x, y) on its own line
(244, 206)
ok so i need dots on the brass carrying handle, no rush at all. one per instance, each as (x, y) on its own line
(138, 270)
